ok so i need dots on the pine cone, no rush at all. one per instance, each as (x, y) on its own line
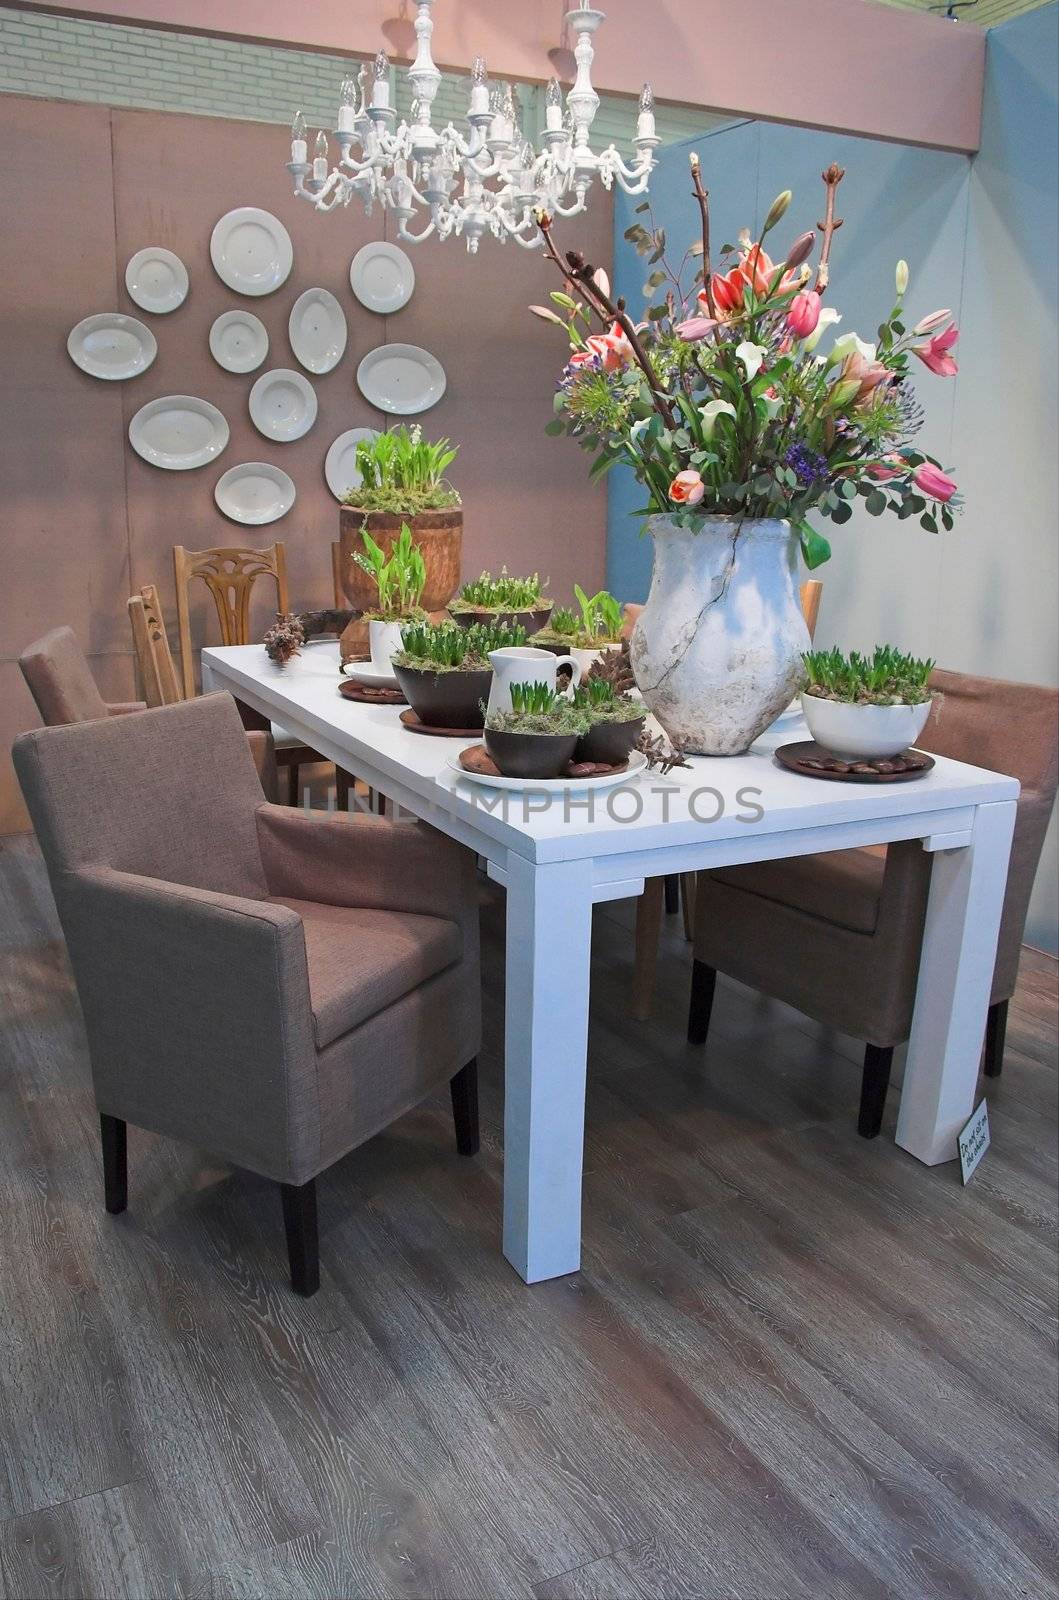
(614, 667)
(284, 639)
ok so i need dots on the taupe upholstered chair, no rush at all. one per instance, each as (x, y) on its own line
(838, 935)
(274, 985)
(61, 683)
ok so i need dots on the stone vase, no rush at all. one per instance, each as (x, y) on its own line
(717, 649)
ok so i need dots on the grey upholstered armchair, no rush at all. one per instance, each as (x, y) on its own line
(276, 986)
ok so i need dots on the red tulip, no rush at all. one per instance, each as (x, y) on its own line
(889, 467)
(933, 482)
(803, 313)
(935, 353)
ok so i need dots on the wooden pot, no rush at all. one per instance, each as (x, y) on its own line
(439, 535)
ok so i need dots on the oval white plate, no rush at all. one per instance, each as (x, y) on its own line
(401, 379)
(317, 328)
(367, 673)
(382, 277)
(608, 780)
(283, 404)
(238, 341)
(251, 251)
(340, 464)
(178, 432)
(112, 345)
(157, 279)
(255, 492)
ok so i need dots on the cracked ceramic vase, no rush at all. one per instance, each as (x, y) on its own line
(717, 649)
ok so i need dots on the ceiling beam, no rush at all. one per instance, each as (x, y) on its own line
(852, 66)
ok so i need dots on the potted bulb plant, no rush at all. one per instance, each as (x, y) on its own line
(402, 481)
(538, 736)
(398, 579)
(585, 634)
(866, 708)
(502, 602)
(444, 671)
(615, 722)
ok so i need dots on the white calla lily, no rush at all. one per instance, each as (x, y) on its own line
(846, 345)
(751, 355)
(828, 317)
(711, 411)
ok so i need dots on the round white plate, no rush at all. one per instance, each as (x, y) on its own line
(382, 277)
(340, 464)
(157, 279)
(609, 780)
(251, 251)
(317, 328)
(112, 345)
(401, 379)
(178, 432)
(238, 341)
(282, 404)
(367, 673)
(255, 492)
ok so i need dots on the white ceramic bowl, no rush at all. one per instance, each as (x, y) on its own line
(863, 733)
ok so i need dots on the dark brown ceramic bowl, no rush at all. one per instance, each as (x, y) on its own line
(531, 755)
(530, 620)
(610, 742)
(445, 699)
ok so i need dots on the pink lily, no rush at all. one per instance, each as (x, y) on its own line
(933, 482)
(935, 353)
(613, 350)
(868, 375)
(935, 320)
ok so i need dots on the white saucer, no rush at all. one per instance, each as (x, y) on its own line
(608, 780)
(382, 277)
(283, 404)
(367, 673)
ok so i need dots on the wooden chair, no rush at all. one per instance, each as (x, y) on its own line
(671, 894)
(158, 673)
(230, 572)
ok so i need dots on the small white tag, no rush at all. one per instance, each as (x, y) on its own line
(974, 1141)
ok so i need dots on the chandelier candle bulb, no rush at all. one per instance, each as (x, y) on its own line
(553, 106)
(320, 158)
(347, 110)
(479, 104)
(645, 122)
(299, 148)
(380, 89)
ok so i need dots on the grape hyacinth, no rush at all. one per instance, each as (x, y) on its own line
(809, 466)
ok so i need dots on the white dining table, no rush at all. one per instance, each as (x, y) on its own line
(557, 856)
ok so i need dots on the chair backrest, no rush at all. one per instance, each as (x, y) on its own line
(158, 674)
(1011, 728)
(60, 679)
(170, 793)
(230, 574)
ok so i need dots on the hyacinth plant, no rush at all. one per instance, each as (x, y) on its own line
(719, 400)
(403, 473)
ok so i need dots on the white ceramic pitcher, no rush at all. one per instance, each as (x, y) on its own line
(525, 664)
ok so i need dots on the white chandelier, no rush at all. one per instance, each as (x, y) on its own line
(488, 179)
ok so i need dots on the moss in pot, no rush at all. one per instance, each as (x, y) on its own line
(866, 708)
(503, 601)
(538, 736)
(615, 723)
(444, 671)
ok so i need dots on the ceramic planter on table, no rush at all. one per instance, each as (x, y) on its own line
(609, 743)
(530, 755)
(524, 663)
(438, 534)
(531, 621)
(384, 641)
(863, 733)
(451, 699)
(717, 650)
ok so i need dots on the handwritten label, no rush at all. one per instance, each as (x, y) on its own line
(974, 1141)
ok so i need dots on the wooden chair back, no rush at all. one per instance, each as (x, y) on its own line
(158, 673)
(230, 574)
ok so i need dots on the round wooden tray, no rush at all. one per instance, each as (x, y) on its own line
(368, 696)
(413, 724)
(813, 761)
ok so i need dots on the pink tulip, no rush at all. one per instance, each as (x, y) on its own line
(695, 328)
(803, 313)
(933, 482)
(935, 320)
(687, 489)
(935, 353)
(889, 467)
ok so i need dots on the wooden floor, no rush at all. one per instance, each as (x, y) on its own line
(795, 1363)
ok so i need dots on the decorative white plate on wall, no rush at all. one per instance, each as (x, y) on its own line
(112, 345)
(157, 280)
(255, 492)
(401, 379)
(382, 277)
(283, 404)
(251, 251)
(340, 465)
(238, 341)
(317, 329)
(178, 432)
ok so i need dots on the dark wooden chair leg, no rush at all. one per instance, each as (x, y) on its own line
(115, 1164)
(996, 1027)
(878, 1059)
(464, 1088)
(672, 883)
(303, 1240)
(343, 784)
(703, 984)
(294, 773)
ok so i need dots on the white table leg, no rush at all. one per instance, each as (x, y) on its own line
(952, 995)
(549, 936)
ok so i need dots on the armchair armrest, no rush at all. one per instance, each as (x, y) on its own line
(198, 1017)
(368, 861)
(121, 708)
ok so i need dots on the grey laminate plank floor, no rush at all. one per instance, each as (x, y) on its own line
(795, 1364)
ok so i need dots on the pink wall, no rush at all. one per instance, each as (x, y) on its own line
(849, 65)
(85, 520)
